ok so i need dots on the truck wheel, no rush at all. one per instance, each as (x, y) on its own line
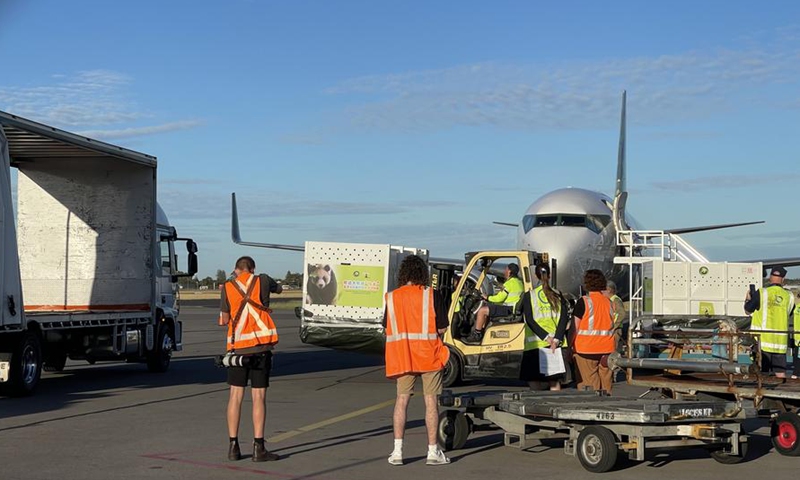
(597, 449)
(158, 360)
(454, 429)
(55, 361)
(728, 459)
(451, 375)
(26, 365)
(785, 434)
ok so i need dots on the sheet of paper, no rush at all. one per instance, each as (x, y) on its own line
(551, 362)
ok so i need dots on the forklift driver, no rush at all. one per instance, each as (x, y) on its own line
(502, 304)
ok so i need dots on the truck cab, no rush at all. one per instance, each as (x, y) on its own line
(499, 356)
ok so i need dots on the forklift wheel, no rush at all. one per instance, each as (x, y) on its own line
(451, 375)
(454, 429)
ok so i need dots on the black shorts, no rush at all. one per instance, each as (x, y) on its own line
(773, 362)
(496, 310)
(257, 373)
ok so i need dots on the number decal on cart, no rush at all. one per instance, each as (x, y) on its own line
(605, 416)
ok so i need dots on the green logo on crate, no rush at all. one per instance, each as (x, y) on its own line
(703, 270)
(360, 286)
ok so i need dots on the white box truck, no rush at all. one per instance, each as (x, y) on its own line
(343, 292)
(88, 267)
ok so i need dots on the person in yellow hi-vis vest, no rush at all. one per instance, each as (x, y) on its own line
(796, 363)
(771, 308)
(501, 304)
(546, 314)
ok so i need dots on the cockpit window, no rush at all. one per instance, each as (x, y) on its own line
(531, 221)
(546, 220)
(573, 221)
(595, 223)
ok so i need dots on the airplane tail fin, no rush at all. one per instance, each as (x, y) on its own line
(621, 188)
(621, 185)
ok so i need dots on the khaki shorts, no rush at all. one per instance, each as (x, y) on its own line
(431, 383)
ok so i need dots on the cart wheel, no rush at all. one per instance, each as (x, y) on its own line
(451, 375)
(454, 429)
(728, 459)
(785, 430)
(597, 449)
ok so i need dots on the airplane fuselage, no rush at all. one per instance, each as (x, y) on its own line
(575, 227)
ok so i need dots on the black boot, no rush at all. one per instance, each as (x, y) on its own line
(261, 454)
(475, 337)
(234, 453)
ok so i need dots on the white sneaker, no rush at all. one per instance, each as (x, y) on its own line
(437, 458)
(396, 458)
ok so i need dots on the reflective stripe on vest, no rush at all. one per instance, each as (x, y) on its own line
(543, 316)
(513, 289)
(773, 314)
(254, 327)
(425, 320)
(412, 342)
(594, 333)
(591, 331)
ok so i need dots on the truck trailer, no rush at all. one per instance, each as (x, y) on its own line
(89, 268)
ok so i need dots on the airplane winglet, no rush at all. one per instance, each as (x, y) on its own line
(237, 238)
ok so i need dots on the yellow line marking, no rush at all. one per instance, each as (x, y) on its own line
(330, 421)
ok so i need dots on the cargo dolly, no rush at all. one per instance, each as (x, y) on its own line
(597, 426)
(712, 357)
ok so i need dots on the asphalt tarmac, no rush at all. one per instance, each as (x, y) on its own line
(329, 417)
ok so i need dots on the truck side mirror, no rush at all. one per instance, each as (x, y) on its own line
(192, 263)
(191, 246)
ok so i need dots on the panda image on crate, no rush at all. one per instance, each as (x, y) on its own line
(321, 286)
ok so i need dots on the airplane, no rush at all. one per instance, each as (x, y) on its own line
(578, 228)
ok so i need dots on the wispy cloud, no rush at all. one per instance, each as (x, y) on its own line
(141, 131)
(91, 100)
(726, 182)
(94, 97)
(568, 94)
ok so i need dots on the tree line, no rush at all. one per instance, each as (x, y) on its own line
(291, 279)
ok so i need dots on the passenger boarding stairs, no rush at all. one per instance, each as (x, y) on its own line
(643, 245)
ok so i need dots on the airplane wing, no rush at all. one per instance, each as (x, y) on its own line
(237, 238)
(506, 224)
(704, 228)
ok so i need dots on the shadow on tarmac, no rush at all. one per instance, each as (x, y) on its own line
(83, 383)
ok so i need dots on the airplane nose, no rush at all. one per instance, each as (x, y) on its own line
(570, 247)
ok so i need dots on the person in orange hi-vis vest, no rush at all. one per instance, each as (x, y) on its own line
(415, 318)
(594, 333)
(244, 309)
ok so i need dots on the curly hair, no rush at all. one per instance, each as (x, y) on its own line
(413, 270)
(594, 281)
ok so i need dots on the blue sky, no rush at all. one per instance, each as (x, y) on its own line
(419, 123)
